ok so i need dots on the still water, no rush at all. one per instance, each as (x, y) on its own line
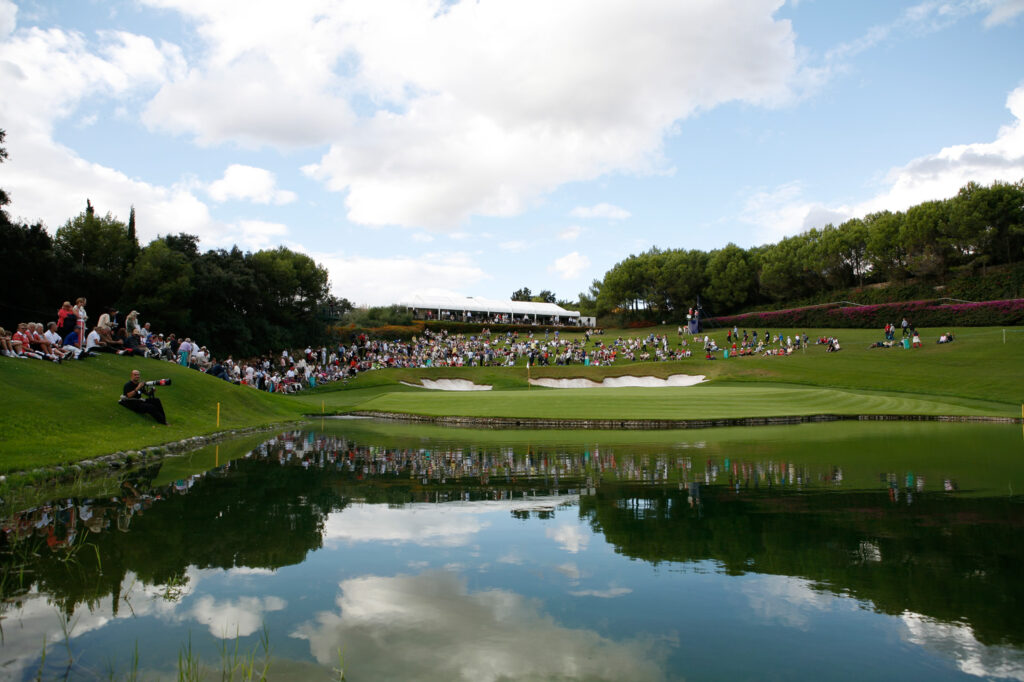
(398, 552)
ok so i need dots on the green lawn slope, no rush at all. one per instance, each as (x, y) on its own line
(55, 414)
(977, 374)
(58, 414)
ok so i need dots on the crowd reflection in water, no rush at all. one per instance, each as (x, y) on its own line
(447, 473)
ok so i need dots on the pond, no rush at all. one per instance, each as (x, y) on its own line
(382, 551)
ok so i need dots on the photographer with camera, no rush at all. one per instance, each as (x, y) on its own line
(139, 396)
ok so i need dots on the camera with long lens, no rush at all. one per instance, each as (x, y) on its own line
(158, 382)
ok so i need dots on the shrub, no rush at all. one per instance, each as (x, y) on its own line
(919, 313)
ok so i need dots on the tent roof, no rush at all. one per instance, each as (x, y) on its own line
(476, 304)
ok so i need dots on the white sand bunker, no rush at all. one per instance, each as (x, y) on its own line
(449, 385)
(621, 382)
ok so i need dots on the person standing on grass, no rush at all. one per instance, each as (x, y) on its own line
(80, 317)
(904, 324)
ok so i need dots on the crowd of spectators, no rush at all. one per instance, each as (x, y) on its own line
(288, 371)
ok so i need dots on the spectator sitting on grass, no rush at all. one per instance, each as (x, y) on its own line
(94, 343)
(57, 342)
(217, 370)
(42, 344)
(946, 338)
(6, 344)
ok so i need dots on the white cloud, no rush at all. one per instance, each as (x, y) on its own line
(569, 538)
(44, 75)
(1003, 11)
(959, 642)
(439, 138)
(610, 593)
(570, 266)
(358, 278)
(570, 570)
(449, 525)
(8, 18)
(253, 184)
(422, 237)
(392, 622)
(265, 77)
(942, 174)
(785, 210)
(234, 618)
(571, 233)
(513, 246)
(788, 601)
(602, 210)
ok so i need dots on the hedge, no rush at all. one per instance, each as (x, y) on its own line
(918, 313)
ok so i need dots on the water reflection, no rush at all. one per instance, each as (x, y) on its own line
(490, 634)
(560, 550)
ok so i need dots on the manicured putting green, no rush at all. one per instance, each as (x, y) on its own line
(719, 401)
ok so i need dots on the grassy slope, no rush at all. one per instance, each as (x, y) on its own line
(55, 414)
(977, 374)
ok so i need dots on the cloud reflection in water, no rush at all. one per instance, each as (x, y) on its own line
(431, 627)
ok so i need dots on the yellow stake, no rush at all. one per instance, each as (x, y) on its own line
(216, 456)
(218, 415)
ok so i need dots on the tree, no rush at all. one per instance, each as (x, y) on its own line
(544, 296)
(523, 294)
(730, 278)
(4, 199)
(925, 234)
(885, 251)
(160, 287)
(94, 253)
(988, 222)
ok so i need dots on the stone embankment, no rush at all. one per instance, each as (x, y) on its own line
(640, 424)
(126, 458)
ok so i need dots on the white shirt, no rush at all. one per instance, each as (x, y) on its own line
(93, 340)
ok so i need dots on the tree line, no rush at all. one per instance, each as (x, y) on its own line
(981, 226)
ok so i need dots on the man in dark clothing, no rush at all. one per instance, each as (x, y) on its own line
(132, 398)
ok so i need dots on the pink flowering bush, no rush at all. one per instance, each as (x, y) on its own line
(919, 313)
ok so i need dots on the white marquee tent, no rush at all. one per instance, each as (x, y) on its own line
(461, 306)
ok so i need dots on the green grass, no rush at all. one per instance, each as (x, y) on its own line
(60, 414)
(977, 374)
(55, 414)
(723, 400)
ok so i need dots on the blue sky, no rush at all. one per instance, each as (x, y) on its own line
(478, 147)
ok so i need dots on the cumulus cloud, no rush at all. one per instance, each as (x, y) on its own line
(569, 538)
(8, 18)
(788, 601)
(785, 210)
(234, 617)
(437, 136)
(513, 246)
(941, 174)
(570, 266)
(393, 623)
(1002, 11)
(257, 185)
(610, 593)
(959, 642)
(44, 75)
(602, 210)
(359, 279)
(570, 233)
(447, 525)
